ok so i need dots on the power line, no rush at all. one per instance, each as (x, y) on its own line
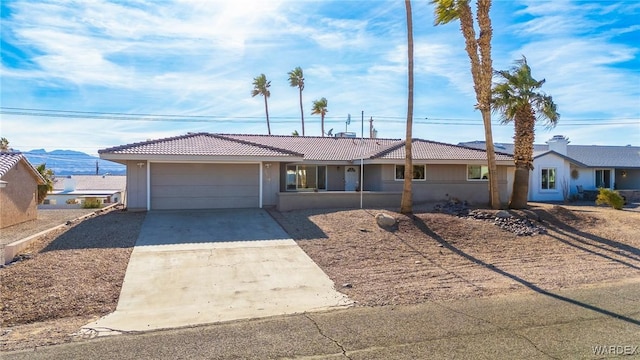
(118, 116)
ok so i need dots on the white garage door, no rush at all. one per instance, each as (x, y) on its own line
(204, 186)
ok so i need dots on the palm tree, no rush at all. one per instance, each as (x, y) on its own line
(479, 51)
(406, 204)
(296, 79)
(4, 144)
(517, 99)
(320, 108)
(261, 87)
(47, 175)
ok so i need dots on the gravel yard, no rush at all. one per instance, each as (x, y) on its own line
(73, 276)
(47, 219)
(435, 256)
(76, 273)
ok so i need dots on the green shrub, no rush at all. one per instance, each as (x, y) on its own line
(90, 203)
(610, 197)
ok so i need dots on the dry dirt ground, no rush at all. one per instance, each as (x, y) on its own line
(75, 276)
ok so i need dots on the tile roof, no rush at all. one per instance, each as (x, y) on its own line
(588, 155)
(9, 159)
(308, 147)
(92, 182)
(432, 150)
(323, 148)
(203, 144)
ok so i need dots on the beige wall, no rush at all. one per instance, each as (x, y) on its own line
(270, 183)
(136, 185)
(18, 200)
(444, 182)
(288, 201)
(335, 178)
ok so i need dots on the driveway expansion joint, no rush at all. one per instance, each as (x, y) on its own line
(338, 344)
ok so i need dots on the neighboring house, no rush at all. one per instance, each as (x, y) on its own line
(561, 170)
(108, 189)
(203, 170)
(19, 182)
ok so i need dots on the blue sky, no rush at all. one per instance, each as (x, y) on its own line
(189, 58)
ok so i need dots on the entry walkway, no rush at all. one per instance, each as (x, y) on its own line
(198, 267)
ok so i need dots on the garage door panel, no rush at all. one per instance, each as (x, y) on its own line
(204, 186)
(187, 181)
(204, 203)
(206, 191)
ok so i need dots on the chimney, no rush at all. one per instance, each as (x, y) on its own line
(558, 143)
(69, 184)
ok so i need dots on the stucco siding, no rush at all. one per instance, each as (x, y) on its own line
(443, 182)
(563, 183)
(136, 198)
(204, 186)
(627, 179)
(18, 200)
(335, 178)
(270, 183)
(373, 177)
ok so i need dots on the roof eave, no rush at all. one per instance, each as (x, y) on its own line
(123, 158)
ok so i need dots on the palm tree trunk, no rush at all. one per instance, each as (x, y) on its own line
(494, 193)
(523, 156)
(322, 124)
(520, 190)
(301, 112)
(266, 110)
(406, 204)
(479, 52)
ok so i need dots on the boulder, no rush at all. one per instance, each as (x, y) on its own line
(503, 214)
(385, 220)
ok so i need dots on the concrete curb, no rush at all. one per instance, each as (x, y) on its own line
(9, 251)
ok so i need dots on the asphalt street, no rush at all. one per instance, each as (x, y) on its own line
(587, 323)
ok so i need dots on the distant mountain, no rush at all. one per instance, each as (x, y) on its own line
(69, 162)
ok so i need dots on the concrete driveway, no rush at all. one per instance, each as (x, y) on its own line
(206, 266)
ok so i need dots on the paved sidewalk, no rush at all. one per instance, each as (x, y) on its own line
(207, 266)
(587, 323)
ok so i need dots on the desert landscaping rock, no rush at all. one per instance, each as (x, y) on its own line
(453, 207)
(385, 220)
(503, 219)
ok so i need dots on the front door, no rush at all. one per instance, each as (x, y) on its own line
(351, 178)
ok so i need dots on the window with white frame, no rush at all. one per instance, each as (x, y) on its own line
(419, 172)
(306, 177)
(477, 172)
(548, 179)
